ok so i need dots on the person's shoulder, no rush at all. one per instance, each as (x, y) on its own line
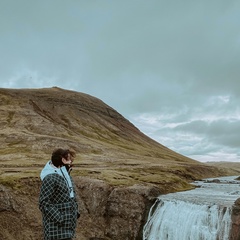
(52, 177)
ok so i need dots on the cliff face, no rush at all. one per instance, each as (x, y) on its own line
(118, 170)
(235, 231)
(113, 212)
(107, 212)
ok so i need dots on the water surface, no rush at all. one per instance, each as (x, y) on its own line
(203, 213)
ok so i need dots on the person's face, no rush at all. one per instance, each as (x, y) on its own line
(71, 157)
(67, 161)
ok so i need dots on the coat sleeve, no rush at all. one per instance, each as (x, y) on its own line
(49, 210)
(76, 197)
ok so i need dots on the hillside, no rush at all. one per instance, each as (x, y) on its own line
(35, 121)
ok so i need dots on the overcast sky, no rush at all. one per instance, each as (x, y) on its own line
(170, 67)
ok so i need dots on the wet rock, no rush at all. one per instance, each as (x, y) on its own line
(235, 231)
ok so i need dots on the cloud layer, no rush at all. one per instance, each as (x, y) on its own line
(170, 67)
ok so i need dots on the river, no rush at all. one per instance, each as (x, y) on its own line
(203, 213)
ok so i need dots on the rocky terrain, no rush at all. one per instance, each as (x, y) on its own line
(118, 170)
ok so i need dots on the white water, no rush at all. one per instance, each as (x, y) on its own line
(200, 214)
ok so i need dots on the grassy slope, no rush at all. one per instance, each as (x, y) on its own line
(109, 147)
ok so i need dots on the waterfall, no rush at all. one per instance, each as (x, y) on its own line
(171, 219)
(203, 213)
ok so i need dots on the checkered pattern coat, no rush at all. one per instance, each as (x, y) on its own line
(59, 211)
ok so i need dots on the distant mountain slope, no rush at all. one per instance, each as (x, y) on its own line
(35, 121)
(40, 119)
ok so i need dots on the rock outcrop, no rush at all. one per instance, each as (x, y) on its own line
(7, 201)
(114, 213)
(235, 231)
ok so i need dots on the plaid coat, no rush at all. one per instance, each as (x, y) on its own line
(59, 211)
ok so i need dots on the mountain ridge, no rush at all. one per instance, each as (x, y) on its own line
(35, 121)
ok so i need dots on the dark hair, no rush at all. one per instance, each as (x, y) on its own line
(57, 156)
(72, 153)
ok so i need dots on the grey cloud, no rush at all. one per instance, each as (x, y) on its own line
(139, 38)
(225, 133)
(191, 40)
(199, 127)
(221, 132)
(177, 61)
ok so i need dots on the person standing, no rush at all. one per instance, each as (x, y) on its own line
(57, 198)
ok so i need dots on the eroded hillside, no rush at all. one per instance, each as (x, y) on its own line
(35, 121)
